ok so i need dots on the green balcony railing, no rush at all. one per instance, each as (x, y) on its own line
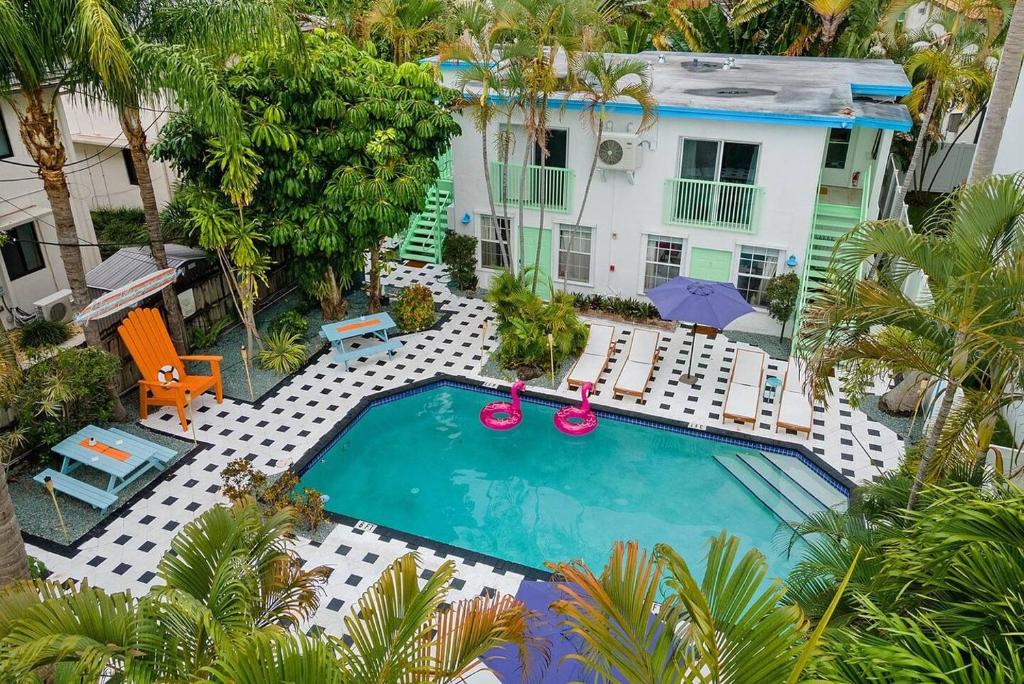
(556, 189)
(712, 204)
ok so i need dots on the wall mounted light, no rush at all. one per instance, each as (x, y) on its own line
(466, 218)
(791, 261)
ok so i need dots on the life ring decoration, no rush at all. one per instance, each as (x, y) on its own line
(502, 415)
(167, 374)
(577, 420)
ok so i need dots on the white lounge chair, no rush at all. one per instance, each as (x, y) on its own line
(594, 358)
(743, 395)
(795, 409)
(639, 366)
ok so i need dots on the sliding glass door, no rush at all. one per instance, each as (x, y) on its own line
(713, 167)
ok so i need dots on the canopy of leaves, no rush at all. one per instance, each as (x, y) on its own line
(337, 152)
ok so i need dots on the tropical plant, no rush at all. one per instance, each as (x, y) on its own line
(291, 321)
(64, 393)
(647, 618)
(204, 338)
(600, 80)
(998, 107)
(117, 228)
(414, 308)
(43, 333)
(781, 294)
(965, 334)
(459, 257)
(533, 331)
(283, 352)
(14, 563)
(410, 27)
(229, 575)
(339, 152)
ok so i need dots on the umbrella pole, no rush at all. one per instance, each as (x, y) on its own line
(693, 348)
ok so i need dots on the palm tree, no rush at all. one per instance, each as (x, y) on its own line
(43, 42)
(966, 334)
(476, 46)
(13, 558)
(229, 573)
(731, 626)
(601, 80)
(233, 592)
(177, 48)
(1006, 81)
(540, 31)
(410, 27)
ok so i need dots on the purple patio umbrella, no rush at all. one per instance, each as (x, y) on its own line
(700, 302)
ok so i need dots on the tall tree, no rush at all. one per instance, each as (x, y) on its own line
(966, 334)
(13, 558)
(601, 80)
(1004, 89)
(410, 27)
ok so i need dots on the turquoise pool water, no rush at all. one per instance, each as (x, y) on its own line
(423, 464)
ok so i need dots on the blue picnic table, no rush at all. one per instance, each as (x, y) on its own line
(120, 455)
(376, 325)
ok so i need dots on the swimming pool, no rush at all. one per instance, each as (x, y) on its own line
(419, 462)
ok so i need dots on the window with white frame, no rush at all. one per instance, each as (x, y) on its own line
(493, 229)
(574, 252)
(757, 266)
(663, 260)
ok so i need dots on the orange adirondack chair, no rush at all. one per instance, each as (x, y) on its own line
(164, 380)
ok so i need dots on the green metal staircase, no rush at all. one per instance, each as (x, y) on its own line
(831, 221)
(424, 238)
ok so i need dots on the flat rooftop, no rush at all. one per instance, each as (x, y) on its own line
(810, 91)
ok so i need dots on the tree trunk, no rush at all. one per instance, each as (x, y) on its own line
(134, 132)
(543, 189)
(522, 189)
(905, 397)
(933, 440)
(13, 557)
(502, 245)
(373, 288)
(41, 134)
(583, 202)
(922, 136)
(1007, 77)
(332, 304)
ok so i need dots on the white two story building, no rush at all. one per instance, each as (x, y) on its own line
(754, 166)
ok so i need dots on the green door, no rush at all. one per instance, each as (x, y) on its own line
(530, 237)
(711, 264)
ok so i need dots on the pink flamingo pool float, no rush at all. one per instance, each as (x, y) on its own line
(501, 415)
(577, 421)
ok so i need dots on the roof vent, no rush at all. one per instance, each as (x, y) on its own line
(730, 92)
(700, 66)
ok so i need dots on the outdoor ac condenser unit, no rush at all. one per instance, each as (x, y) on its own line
(55, 307)
(619, 152)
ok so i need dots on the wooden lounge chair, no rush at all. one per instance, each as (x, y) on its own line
(743, 395)
(795, 409)
(636, 372)
(594, 359)
(146, 337)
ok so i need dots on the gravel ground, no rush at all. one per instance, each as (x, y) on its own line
(493, 370)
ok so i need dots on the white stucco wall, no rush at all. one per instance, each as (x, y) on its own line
(623, 212)
(25, 201)
(1010, 158)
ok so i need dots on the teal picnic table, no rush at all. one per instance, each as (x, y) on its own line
(374, 325)
(121, 456)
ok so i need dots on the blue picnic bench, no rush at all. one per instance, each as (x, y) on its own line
(377, 325)
(135, 456)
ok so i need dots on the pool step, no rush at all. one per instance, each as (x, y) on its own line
(786, 485)
(761, 488)
(809, 480)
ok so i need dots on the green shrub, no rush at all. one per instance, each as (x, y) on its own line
(291, 322)
(117, 228)
(64, 393)
(459, 256)
(414, 308)
(43, 333)
(204, 338)
(781, 294)
(241, 481)
(524, 322)
(631, 309)
(282, 352)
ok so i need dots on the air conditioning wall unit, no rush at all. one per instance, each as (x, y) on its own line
(619, 152)
(55, 307)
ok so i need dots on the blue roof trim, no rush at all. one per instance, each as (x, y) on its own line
(880, 90)
(677, 111)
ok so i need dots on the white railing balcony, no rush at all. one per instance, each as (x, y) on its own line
(551, 184)
(712, 204)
